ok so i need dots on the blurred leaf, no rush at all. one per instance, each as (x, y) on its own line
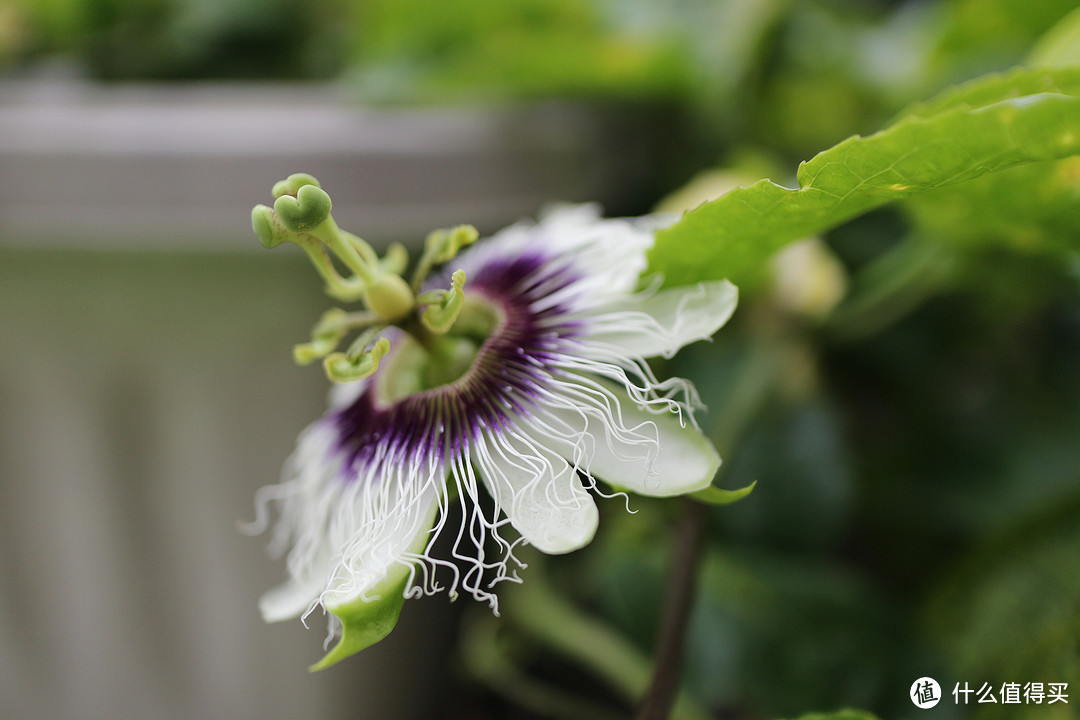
(989, 33)
(1060, 46)
(839, 715)
(732, 236)
(413, 49)
(1010, 612)
(789, 627)
(891, 286)
(1031, 207)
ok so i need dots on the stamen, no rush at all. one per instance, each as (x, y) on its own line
(347, 367)
(445, 305)
(442, 246)
(329, 331)
(396, 259)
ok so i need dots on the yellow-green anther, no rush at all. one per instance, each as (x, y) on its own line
(325, 337)
(439, 317)
(360, 343)
(306, 211)
(389, 297)
(342, 368)
(444, 245)
(320, 347)
(293, 183)
(395, 260)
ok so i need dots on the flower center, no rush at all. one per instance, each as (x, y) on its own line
(439, 360)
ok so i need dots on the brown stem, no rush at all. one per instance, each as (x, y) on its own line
(667, 667)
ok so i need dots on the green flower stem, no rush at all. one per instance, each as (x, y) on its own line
(682, 582)
(492, 656)
(550, 619)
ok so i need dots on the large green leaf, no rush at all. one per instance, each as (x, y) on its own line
(990, 89)
(996, 123)
(1031, 206)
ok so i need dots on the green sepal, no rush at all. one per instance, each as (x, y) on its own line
(309, 209)
(713, 495)
(365, 623)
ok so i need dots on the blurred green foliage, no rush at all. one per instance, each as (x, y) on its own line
(178, 39)
(414, 49)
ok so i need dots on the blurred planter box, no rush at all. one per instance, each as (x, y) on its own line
(178, 166)
(147, 395)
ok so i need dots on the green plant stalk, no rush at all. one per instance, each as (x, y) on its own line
(548, 618)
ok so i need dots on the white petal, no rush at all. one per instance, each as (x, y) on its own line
(607, 256)
(660, 324)
(305, 500)
(539, 492)
(606, 434)
(347, 534)
(380, 531)
(288, 600)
